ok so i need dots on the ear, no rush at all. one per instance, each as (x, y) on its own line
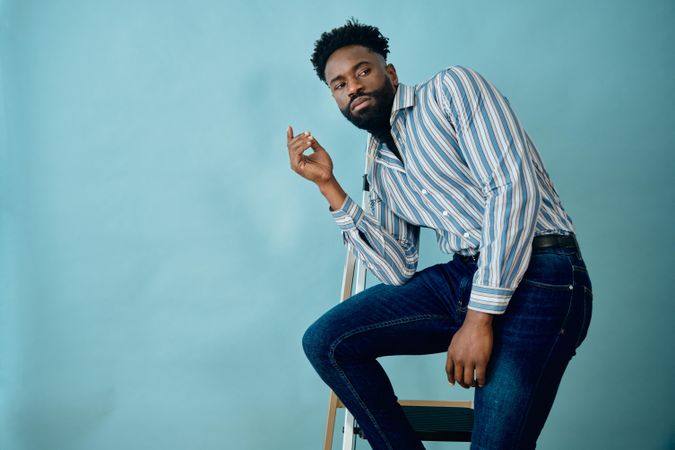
(391, 73)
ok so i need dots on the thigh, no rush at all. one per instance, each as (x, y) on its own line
(419, 317)
(534, 341)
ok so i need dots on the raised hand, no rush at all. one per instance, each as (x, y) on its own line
(316, 167)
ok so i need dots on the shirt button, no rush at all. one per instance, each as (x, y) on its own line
(424, 191)
(467, 235)
(445, 213)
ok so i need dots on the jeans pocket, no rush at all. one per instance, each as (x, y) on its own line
(541, 284)
(462, 297)
(587, 313)
(549, 271)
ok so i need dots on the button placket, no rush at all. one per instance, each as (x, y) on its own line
(425, 195)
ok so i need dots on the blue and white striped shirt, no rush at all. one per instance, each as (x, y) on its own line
(470, 172)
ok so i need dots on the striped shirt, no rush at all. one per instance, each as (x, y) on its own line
(470, 172)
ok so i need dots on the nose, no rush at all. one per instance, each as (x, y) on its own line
(354, 86)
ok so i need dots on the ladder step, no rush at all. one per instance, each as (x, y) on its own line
(437, 423)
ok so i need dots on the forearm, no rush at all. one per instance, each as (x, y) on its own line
(506, 248)
(383, 240)
(333, 193)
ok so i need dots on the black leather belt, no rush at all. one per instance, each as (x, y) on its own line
(544, 241)
(555, 240)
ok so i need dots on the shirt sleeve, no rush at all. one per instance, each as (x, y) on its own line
(385, 242)
(493, 143)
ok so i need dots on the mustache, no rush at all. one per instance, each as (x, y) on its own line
(362, 94)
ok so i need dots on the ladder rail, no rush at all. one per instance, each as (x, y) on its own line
(354, 268)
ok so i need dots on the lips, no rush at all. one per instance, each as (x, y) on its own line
(359, 101)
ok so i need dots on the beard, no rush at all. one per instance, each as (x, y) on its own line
(374, 118)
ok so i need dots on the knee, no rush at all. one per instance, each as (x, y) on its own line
(315, 342)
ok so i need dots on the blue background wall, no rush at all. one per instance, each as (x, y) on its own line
(159, 261)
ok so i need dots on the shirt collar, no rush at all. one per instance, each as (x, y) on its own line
(404, 98)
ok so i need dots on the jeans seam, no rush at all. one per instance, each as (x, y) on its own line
(360, 330)
(539, 284)
(569, 310)
(536, 386)
(583, 321)
(570, 302)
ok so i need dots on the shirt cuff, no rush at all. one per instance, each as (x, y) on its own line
(492, 300)
(349, 214)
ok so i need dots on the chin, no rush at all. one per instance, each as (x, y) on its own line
(366, 119)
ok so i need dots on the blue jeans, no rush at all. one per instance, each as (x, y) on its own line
(546, 320)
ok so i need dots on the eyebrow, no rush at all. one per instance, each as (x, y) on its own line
(356, 66)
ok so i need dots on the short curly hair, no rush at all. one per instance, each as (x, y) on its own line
(352, 33)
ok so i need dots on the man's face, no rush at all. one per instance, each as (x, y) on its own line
(363, 86)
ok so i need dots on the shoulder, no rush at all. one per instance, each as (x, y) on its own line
(463, 85)
(452, 72)
(452, 84)
(439, 83)
(457, 78)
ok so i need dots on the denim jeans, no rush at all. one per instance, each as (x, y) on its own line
(545, 322)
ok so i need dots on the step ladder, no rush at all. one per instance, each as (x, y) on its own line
(432, 420)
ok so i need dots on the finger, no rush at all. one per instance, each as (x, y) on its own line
(296, 154)
(468, 375)
(289, 134)
(302, 137)
(450, 371)
(459, 373)
(315, 145)
(299, 147)
(305, 141)
(480, 375)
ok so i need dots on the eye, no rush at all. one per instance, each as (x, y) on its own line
(364, 72)
(338, 86)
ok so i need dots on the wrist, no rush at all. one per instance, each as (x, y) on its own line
(333, 192)
(327, 185)
(478, 318)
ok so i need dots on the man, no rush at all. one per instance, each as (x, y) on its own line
(515, 301)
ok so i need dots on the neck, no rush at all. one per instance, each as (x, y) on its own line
(382, 133)
(385, 136)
